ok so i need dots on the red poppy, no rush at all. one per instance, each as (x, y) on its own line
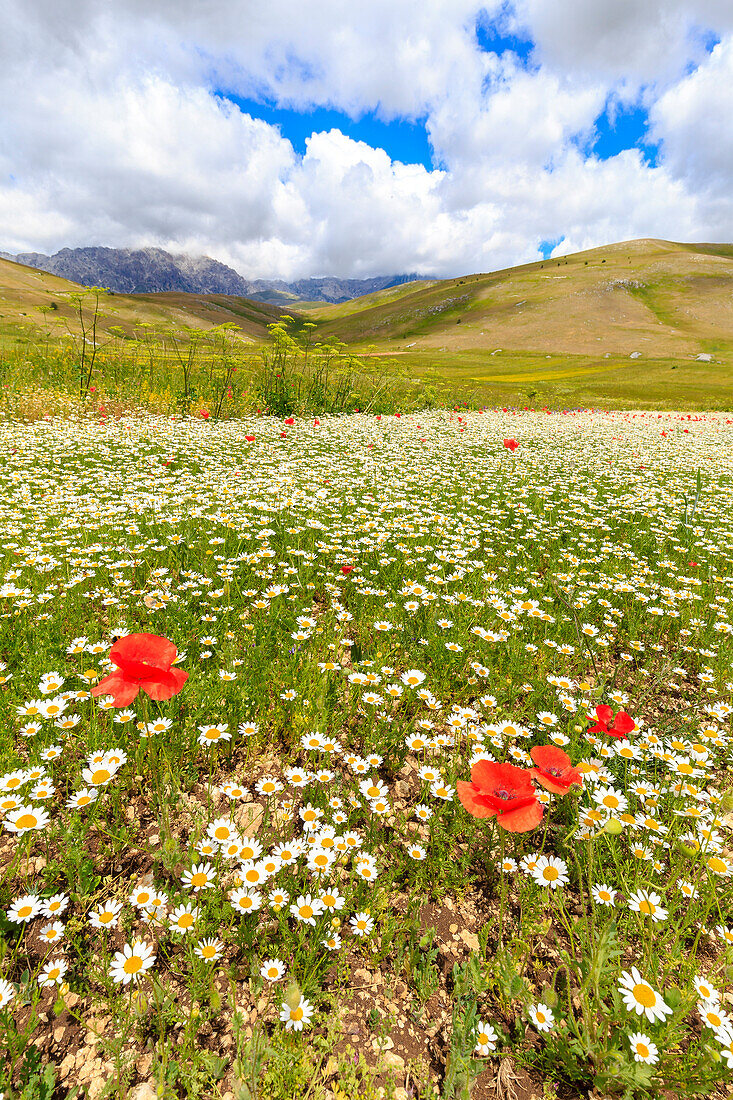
(511, 444)
(290, 420)
(554, 771)
(144, 662)
(504, 792)
(346, 569)
(622, 726)
(249, 438)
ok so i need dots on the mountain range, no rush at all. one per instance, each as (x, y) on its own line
(151, 270)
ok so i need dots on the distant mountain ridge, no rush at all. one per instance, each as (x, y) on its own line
(151, 270)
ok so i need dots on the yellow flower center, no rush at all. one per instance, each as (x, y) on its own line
(132, 965)
(26, 821)
(199, 879)
(645, 995)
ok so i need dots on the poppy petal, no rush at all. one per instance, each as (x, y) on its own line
(122, 691)
(624, 723)
(144, 650)
(550, 756)
(523, 819)
(472, 800)
(165, 688)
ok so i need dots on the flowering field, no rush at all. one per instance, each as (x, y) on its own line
(376, 756)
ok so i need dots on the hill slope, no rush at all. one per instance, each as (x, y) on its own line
(36, 304)
(655, 298)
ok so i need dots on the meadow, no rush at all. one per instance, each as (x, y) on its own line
(379, 755)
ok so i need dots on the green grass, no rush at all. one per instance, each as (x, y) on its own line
(303, 578)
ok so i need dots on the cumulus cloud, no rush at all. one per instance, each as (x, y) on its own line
(115, 129)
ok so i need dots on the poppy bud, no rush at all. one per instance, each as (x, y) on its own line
(293, 995)
(613, 826)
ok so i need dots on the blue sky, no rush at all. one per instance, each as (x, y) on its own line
(440, 138)
(402, 139)
(619, 126)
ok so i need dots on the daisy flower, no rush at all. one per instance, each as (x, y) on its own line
(183, 918)
(24, 909)
(131, 963)
(706, 989)
(52, 933)
(296, 1018)
(278, 899)
(603, 895)
(713, 1016)
(306, 908)
(362, 924)
(106, 915)
(272, 970)
(542, 1017)
(210, 950)
(643, 1048)
(331, 900)
(53, 972)
(486, 1038)
(200, 877)
(26, 819)
(81, 798)
(7, 992)
(550, 871)
(647, 902)
(211, 735)
(416, 852)
(54, 906)
(639, 997)
(246, 900)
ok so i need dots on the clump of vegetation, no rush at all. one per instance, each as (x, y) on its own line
(365, 755)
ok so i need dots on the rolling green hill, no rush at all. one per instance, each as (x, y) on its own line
(35, 304)
(642, 323)
(655, 298)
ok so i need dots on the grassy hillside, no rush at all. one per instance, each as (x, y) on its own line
(616, 326)
(35, 304)
(657, 298)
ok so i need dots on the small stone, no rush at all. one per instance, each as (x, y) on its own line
(392, 1060)
(470, 940)
(58, 1034)
(67, 1065)
(143, 1091)
(400, 1093)
(453, 928)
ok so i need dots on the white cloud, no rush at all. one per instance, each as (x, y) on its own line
(119, 139)
(633, 41)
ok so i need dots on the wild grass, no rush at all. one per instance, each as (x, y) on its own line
(366, 607)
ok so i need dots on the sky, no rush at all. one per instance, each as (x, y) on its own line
(292, 140)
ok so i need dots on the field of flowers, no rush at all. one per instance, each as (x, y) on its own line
(368, 756)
